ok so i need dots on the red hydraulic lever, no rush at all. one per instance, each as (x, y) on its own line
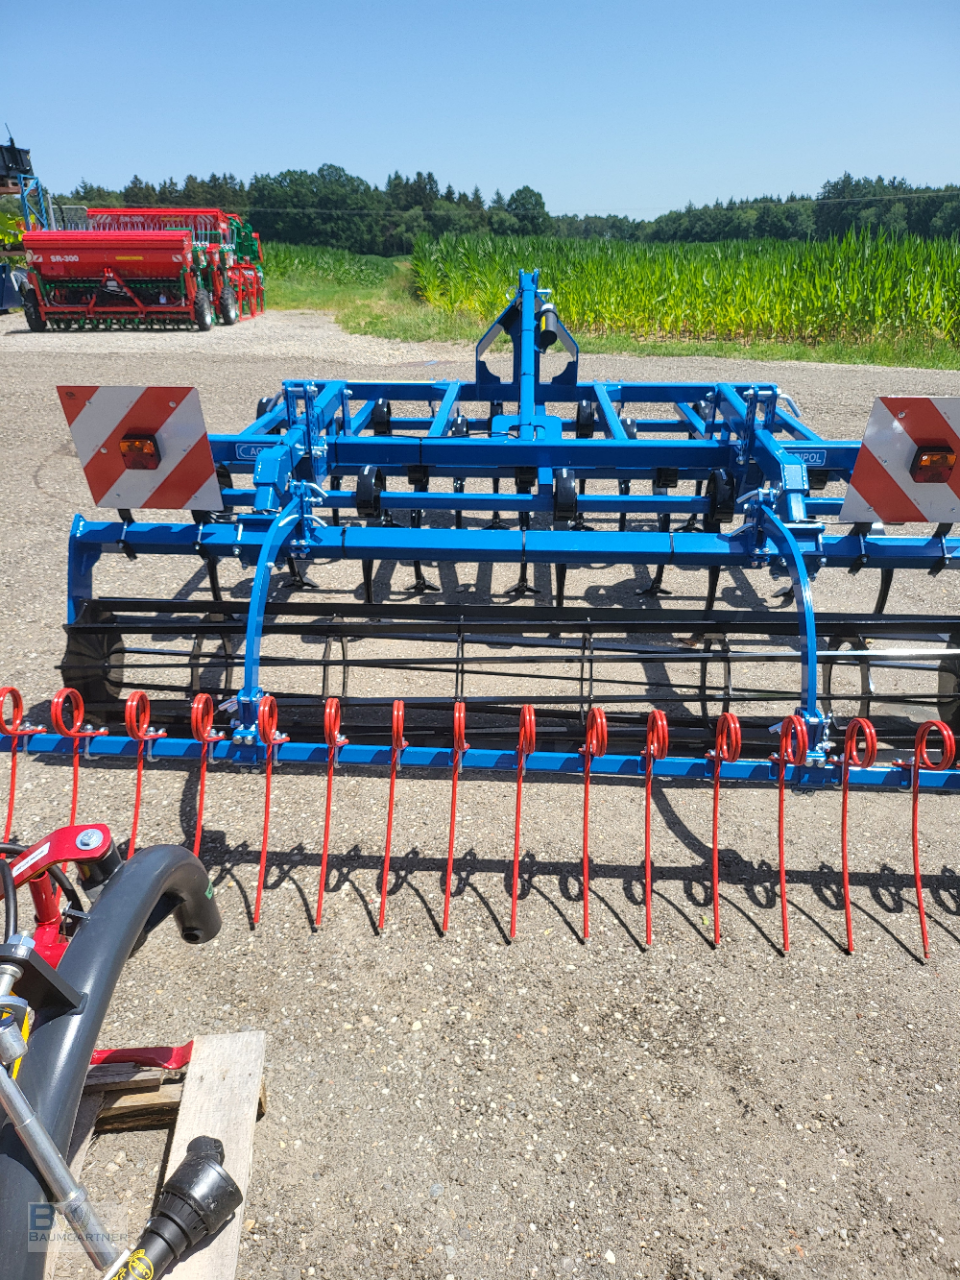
(136, 716)
(201, 726)
(460, 745)
(271, 739)
(334, 740)
(922, 761)
(76, 731)
(398, 742)
(791, 728)
(595, 745)
(855, 728)
(526, 744)
(166, 1057)
(658, 740)
(15, 732)
(727, 748)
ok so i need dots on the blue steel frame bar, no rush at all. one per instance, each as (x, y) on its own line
(318, 433)
(810, 776)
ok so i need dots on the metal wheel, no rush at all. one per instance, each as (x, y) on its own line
(93, 665)
(828, 698)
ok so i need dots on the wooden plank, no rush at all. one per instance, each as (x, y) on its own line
(140, 1109)
(76, 1154)
(221, 1098)
(123, 1075)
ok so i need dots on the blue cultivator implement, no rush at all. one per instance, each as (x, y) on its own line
(554, 477)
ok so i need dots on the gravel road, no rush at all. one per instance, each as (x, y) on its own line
(462, 1108)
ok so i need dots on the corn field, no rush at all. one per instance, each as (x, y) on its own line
(308, 263)
(858, 289)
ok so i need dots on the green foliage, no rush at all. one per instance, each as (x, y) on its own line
(310, 263)
(861, 288)
(334, 208)
(894, 206)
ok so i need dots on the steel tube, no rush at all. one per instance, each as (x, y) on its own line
(69, 1197)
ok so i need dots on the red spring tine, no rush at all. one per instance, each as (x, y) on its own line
(658, 740)
(398, 742)
(136, 716)
(334, 741)
(460, 745)
(13, 732)
(271, 739)
(922, 761)
(595, 745)
(792, 727)
(74, 732)
(728, 743)
(527, 743)
(855, 728)
(201, 726)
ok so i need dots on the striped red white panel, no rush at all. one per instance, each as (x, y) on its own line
(100, 417)
(881, 487)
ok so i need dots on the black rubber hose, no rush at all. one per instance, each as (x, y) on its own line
(60, 877)
(10, 919)
(161, 881)
(9, 901)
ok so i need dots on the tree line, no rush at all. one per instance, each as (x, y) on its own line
(334, 208)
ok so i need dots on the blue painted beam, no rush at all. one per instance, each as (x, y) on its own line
(763, 772)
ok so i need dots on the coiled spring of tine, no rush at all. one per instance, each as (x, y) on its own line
(655, 748)
(595, 745)
(727, 749)
(792, 731)
(334, 741)
(271, 739)
(398, 742)
(526, 743)
(460, 745)
(201, 726)
(136, 717)
(14, 731)
(921, 760)
(851, 757)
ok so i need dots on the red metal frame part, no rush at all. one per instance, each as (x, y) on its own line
(460, 745)
(728, 744)
(527, 743)
(595, 745)
(398, 742)
(58, 847)
(246, 284)
(656, 747)
(136, 717)
(334, 740)
(31, 868)
(15, 731)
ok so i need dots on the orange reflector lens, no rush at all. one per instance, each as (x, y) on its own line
(140, 453)
(933, 464)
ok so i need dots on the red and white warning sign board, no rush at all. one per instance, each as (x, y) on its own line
(908, 467)
(143, 447)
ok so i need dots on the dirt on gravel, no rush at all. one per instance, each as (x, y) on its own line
(463, 1108)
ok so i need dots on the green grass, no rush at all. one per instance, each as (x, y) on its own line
(854, 302)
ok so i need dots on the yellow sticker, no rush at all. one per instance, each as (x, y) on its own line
(139, 1266)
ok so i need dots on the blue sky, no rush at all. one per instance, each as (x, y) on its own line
(604, 106)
